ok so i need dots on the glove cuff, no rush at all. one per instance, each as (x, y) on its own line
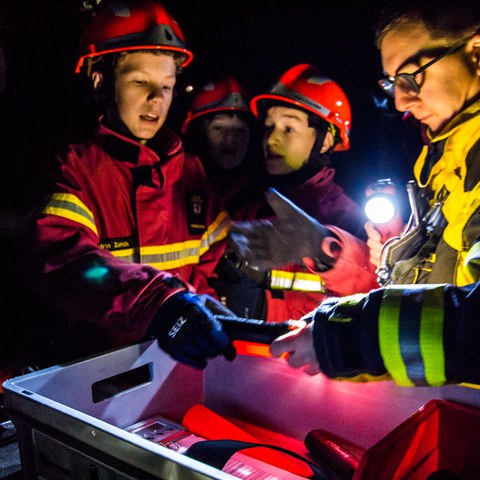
(330, 250)
(345, 336)
(169, 308)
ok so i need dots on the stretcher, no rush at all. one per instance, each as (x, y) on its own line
(115, 415)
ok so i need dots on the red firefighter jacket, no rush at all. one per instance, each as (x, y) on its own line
(125, 222)
(295, 290)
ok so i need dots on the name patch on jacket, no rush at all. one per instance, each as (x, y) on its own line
(196, 213)
(112, 244)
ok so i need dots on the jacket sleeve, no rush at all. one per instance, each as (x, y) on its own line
(419, 335)
(89, 285)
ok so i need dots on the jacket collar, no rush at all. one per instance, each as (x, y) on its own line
(464, 116)
(161, 148)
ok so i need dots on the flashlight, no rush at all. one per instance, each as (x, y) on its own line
(382, 210)
(257, 331)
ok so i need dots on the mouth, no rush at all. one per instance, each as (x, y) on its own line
(228, 151)
(150, 117)
(271, 158)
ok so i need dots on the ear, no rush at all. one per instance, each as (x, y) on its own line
(327, 143)
(476, 52)
(97, 80)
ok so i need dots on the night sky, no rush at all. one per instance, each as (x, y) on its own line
(254, 40)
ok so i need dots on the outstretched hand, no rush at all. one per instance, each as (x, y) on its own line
(288, 238)
(299, 346)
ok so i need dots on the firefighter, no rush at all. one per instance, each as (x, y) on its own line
(424, 334)
(306, 117)
(443, 97)
(418, 335)
(221, 130)
(132, 231)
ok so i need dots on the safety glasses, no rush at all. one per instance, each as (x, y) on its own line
(407, 82)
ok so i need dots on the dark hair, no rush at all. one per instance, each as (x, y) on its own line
(454, 19)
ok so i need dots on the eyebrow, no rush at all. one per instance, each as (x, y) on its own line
(416, 57)
(288, 116)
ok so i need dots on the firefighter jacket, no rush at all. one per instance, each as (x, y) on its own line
(418, 335)
(448, 174)
(295, 290)
(127, 226)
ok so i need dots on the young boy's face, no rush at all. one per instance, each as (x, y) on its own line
(287, 140)
(144, 85)
(227, 136)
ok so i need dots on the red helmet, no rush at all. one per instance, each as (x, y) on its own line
(121, 25)
(304, 86)
(219, 96)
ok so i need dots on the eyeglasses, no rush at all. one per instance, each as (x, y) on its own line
(406, 81)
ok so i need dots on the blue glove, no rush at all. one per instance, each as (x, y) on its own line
(188, 331)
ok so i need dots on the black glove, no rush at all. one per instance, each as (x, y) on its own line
(345, 335)
(289, 238)
(188, 331)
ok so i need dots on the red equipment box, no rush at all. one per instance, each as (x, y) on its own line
(440, 436)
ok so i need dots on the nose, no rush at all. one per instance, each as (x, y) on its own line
(155, 93)
(270, 138)
(403, 101)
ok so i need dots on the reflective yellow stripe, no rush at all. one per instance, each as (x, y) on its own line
(431, 335)
(179, 254)
(388, 336)
(69, 206)
(298, 281)
(411, 337)
(129, 254)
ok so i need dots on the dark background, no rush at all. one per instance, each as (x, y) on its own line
(254, 40)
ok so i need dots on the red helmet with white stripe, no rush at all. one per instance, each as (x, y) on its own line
(224, 95)
(122, 25)
(304, 86)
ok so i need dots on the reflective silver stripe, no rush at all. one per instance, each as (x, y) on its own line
(298, 281)
(176, 255)
(69, 206)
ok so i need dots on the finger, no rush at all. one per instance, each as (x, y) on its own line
(312, 368)
(297, 360)
(248, 226)
(230, 353)
(372, 233)
(284, 344)
(283, 207)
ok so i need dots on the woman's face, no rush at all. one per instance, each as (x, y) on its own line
(445, 87)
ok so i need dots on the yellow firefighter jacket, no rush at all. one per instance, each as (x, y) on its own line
(448, 169)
